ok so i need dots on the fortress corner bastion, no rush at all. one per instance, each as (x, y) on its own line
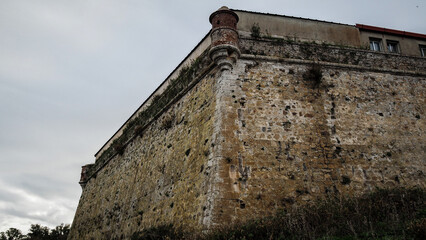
(267, 112)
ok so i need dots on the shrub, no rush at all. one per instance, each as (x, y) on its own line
(313, 75)
(163, 232)
(255, 31)
(384, 214)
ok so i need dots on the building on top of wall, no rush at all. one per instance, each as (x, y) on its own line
(267, 112)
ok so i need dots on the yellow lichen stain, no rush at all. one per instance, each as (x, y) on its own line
(161, 177)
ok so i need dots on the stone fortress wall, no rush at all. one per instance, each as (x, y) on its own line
(290, 140)
(259, 123)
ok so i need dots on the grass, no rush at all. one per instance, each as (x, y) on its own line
(384, 214)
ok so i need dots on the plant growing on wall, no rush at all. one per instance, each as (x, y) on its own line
(313, 75)
(255, 30)
(159, 103)
(167, 122)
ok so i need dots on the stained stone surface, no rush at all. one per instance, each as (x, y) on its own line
(264, 136)
(161, 178)
(288, 141)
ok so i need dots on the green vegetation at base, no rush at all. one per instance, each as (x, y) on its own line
(384, 214)
(160, 232)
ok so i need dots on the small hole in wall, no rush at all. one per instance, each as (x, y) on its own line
(187, 151)
(346, 180)
(288, 200)
(396, 178)
(242, 205)
(218, 22)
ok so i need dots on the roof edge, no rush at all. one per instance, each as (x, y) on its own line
(282, 15)
(391, 31)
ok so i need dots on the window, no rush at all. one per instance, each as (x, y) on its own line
(393, 46)
(375, 44)
(423, 50)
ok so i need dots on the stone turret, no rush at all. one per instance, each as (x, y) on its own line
(224, 47)
(84, 174)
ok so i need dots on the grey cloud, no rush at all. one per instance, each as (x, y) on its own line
(17, 203)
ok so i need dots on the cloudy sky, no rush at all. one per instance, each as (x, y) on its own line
(71, 72)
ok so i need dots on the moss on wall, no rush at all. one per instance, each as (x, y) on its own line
(161, 176)
(292, 49)
(159, 104)
(288, 142)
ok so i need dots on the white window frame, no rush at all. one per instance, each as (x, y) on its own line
(422, 50)
(392, 46)
(376, 44)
